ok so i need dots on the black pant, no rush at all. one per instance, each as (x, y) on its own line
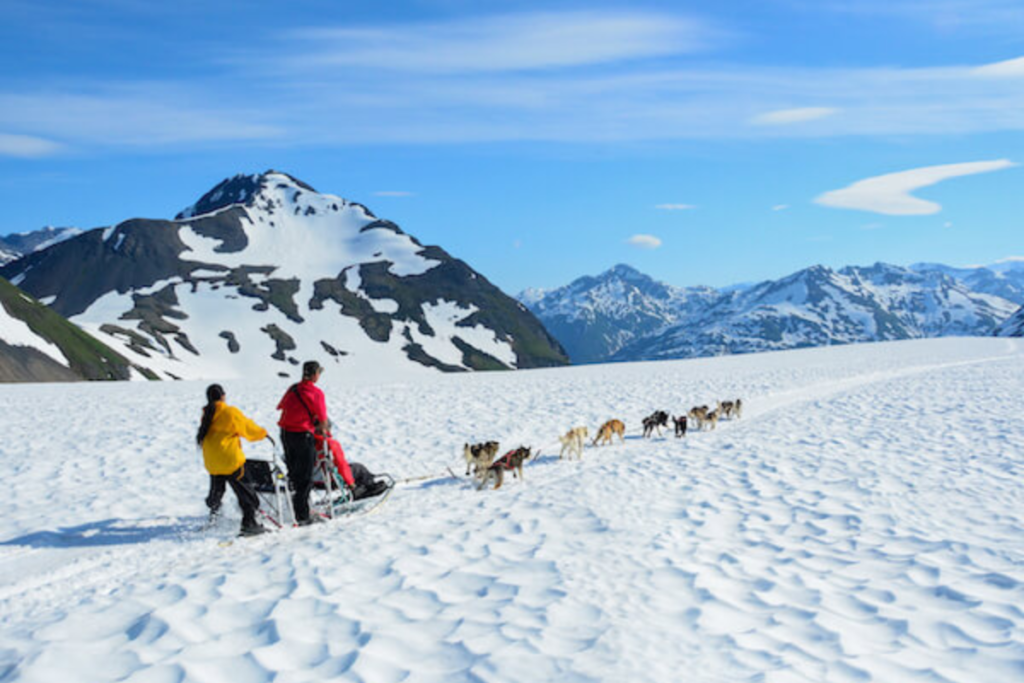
(300, 456)
(247, 499)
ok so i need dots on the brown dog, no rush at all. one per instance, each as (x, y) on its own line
(604, 433)
(513, 460)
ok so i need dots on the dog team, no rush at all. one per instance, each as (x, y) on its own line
(483, 463)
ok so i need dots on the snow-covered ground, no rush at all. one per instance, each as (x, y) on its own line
(863, 521)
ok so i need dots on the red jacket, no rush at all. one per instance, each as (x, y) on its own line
(294, 416)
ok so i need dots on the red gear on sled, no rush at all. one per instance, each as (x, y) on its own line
(338, 455)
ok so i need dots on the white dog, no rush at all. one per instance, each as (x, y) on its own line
(573, 441)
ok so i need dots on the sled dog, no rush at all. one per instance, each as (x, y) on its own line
(680, 423)
(573, 441)
(655, 420)
(604, 433)
(725, 409)
(513, 460)
(698, 414)
(479, 456)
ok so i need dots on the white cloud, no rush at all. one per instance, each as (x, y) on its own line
(393, 193)
(786, 117)
(27, 146)
(524, 41)
(780, 207)
(890, 193)
(644, 241)
(1011, 68)
(872, 226)
(675, 207)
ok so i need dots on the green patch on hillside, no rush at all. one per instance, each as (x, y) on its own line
(89, 358)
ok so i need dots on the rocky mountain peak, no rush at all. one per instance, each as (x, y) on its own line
(243, 189)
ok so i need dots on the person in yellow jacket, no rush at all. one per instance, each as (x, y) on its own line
(220, 435)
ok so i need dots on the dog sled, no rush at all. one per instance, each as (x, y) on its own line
(329, 497)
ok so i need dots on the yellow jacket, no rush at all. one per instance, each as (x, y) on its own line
(222, 447)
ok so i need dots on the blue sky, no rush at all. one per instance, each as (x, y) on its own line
(704, 143)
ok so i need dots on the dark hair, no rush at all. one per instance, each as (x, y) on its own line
(214, 393)
(310, 368)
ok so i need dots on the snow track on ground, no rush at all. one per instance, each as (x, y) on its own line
(862, 522)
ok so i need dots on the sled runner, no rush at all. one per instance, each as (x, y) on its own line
(270, 483)
(329, 498)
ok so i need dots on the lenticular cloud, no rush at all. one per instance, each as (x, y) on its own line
(890, 194)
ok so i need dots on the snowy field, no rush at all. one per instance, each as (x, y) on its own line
(864, 521)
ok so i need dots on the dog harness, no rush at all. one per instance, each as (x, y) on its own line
(505, 461)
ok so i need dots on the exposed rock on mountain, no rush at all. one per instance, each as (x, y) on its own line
(264, 272)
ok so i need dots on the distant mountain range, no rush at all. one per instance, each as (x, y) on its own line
(13, 247)
(263, 272)
(624, 315)
(1012, 326)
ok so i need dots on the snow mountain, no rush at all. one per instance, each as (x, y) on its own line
(38, 345)
(1004, 279)
(15, 246)
(264, 272)
(595, 317)
(1012, 326)
(816, 306)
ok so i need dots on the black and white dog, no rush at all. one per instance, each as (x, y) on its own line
(655, 420)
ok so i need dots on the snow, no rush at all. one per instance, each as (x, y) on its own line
(442, 316)
(15, 332)
(862, 522)
(63, 234)
(291, 229)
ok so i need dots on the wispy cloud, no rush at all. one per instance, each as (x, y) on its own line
(675, 207)
(945, 15)
(1010, 68)
(780, 207)
(644, 241)
(563, 77)
(393, 193)
(527, 41)
(786, 117)
(27, 146)
(132, 115)
(890, 194)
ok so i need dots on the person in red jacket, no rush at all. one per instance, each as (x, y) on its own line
(303, 416)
